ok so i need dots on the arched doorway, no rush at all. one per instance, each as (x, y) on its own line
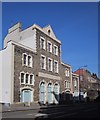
(50, 95)
(26, 95)
(42, 93)
(56, 93)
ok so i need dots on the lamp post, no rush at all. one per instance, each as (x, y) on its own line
(80, 89)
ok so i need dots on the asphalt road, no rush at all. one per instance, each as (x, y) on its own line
(89, 110)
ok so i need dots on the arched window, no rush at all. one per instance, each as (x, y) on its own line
(50, 93)
(42, 93)
(56, 93)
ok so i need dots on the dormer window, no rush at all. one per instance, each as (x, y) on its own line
(48, 32)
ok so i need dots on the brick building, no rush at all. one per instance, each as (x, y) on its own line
(89, 85)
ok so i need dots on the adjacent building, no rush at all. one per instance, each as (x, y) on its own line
(89, 84)
(75, 86)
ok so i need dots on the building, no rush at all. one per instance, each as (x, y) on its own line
(32, 70)
(89, 85)
(66, 83)
(75, 86)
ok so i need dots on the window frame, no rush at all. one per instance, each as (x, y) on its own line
(75, 82)
(21, 78)
(55, 51)
(48, 42)
(28, 78)
(67, 72)
(55, 61)
(51, 65)
(67, 84)
(44, 68)
(31, 61)
(32, 79)
(44, 44)
(23, 59)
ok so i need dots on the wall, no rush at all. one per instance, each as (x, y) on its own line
(0, 76)
(18, 67)
(64, 77)
(6, 69)
(28, 38)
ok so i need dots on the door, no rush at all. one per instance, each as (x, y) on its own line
(26, 96)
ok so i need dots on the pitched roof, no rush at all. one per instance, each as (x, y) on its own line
(79, 71)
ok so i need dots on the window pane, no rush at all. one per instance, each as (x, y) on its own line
(42, 62)
(27, 76)
(55, 50)
(42, 43)
(31, 79)
(49, 65)
(29, 61)
(55, 66)
(22, 77)
(25, 57)
(49, 47)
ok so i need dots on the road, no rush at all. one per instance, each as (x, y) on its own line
(83, 110)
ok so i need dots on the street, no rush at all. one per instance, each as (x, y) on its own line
(77, 110)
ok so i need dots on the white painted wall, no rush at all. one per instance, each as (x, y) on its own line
(0, 76)
(29, 38)
(6, 68)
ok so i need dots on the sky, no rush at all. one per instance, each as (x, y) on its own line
(74, 24)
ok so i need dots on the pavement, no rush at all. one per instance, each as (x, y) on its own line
(23, 107)
(19, 107)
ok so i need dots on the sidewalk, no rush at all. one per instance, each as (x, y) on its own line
(19, 107)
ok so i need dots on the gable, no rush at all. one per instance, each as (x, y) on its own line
(48, 30)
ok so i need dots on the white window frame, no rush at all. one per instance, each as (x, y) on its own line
(20, 78)
(44, 47)
(31, 61)
(54, 66)
(23, 59)
(51, 64)
(48, 42)
(55, 50)
(75, 82)
(67, 84)
(28, 78)
(27, 60)
(32, 79)
(44, 62)
(67, 72)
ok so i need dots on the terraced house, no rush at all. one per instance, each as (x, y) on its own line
(32, 67)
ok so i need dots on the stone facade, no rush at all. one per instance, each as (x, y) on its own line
(47, 83)
(18, 68)
(65, 77)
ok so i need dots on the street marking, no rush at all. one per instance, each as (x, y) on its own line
(40, 114)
